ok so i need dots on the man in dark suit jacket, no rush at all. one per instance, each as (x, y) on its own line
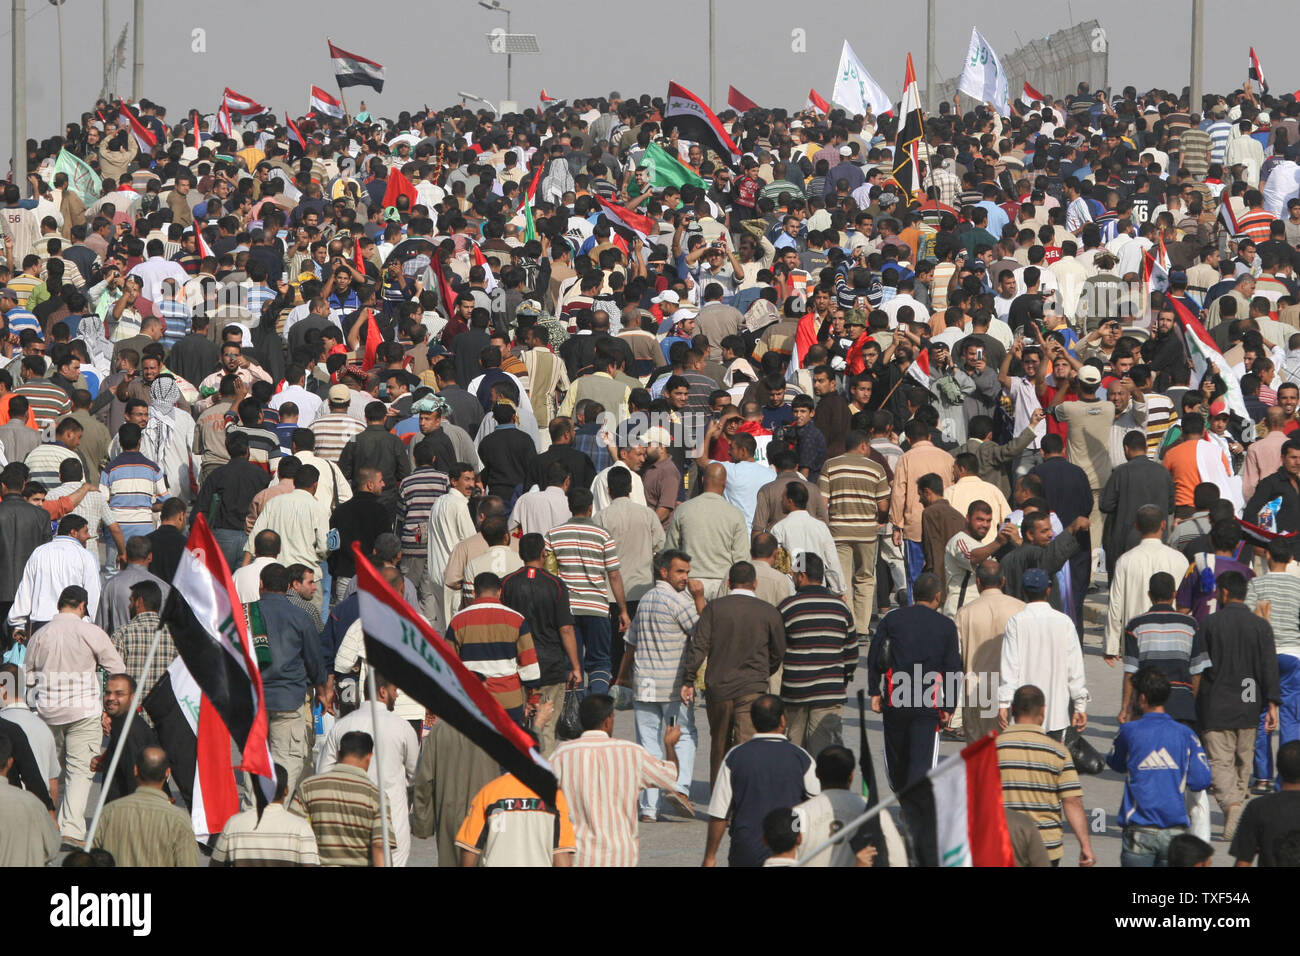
(995, 458)
(1139, 481)
(743, 638)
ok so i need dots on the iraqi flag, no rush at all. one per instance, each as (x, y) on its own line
(907, 168)
(1227, 216)
(296, 139)
(1032, 95)
(198, 743)
(956, 810)
(1256, 71)
(144, 137)
(817, 102)
(353, 70)
(207, 623)
(739, 102)
(694, 121)
(224, 124)
(373, 338)
(1155, 268)
(1206, 356)
(630, 224)
(203, 247)
(399, 185)
(1260, 537)
(241, 105)
(920, 367)
(325, 105)
(407, 651)
(544, 98)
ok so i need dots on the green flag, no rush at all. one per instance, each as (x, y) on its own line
(82, 180)
(667, 170)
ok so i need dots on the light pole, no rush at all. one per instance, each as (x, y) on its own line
(931, 74)
(107, 44)
(18, 117)
(495, 5)
(58, 8)
(713, 91)
(1198, 42)
(137, 73)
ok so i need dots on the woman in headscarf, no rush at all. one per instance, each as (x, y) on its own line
(168, 437)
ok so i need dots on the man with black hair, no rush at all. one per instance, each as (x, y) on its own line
(1196, 590)
(23, 528)
(1270, 822)
(1162, 759)
(762, 774)
(271, 836)
(1133, 571)
(743, 640)
(543, 600)
(227, 494)
(507, 453)
(297, 669)
(378, 448)
(495, 643)
(1242, 655)
(342, 805)
(601, 777)
(361, 519)
(911, 640)
(1137, 482)
(905, 504)
(119, 691)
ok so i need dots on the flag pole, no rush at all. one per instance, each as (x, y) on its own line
(379, 767)
(854, 825)
(122, 737)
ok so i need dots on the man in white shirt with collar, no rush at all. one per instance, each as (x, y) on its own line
(52, 567)
(309, 404)
(799, 532)
(450, 523)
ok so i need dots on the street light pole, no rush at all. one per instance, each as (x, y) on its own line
(509, 59)
(713, 98)
(930, 72)
(1198, 42)
(107, 47)
(18, 127)
(137, 73)
(58, 7)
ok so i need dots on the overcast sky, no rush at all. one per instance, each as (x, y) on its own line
(273, 52)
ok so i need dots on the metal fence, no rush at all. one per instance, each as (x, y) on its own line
(1054, 65)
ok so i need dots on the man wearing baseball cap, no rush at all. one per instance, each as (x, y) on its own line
(1089, 420)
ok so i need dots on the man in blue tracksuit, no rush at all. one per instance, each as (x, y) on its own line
(1162, 759)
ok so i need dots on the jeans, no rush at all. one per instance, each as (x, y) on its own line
(1147, 846)
(651, 718)
(325, 586)
(232, 544)
(913, 562)
(1288, 672)
(594, 636)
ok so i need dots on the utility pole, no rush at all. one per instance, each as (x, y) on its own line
(509, 60)
(931, 74)
(137, 73)
(108, 46)
(713, 99)
(1198, 43)
(58, 9)
(18, 127)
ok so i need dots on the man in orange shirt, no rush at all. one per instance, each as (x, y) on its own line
(1181, 462)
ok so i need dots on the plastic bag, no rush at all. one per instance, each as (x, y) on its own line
(569, 726)
(1268, 514)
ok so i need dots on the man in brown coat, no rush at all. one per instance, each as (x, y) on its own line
(743, 639)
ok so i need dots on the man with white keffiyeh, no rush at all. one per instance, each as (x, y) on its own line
(168, 437)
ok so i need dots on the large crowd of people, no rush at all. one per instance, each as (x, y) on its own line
(638, 423)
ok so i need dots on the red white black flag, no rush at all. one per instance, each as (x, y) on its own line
(957, 813)
(1032, 95)
(241, 105)
(407, 651)
(694, 121)
(818, 102)
(353, 70)
(144, 137)
(208, 626)
(1257, 71)
(325, 105)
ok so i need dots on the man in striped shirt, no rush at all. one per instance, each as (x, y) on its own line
(494, 642)
(334, 430)
(857, 493)
(1039, 779)
(135, 486)
(415, 497)
(821, 654)
(342, 806)
(47, 401)
(44, 460)
(270, 837)
(656, 646)
(601, 777)
(588, 565)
